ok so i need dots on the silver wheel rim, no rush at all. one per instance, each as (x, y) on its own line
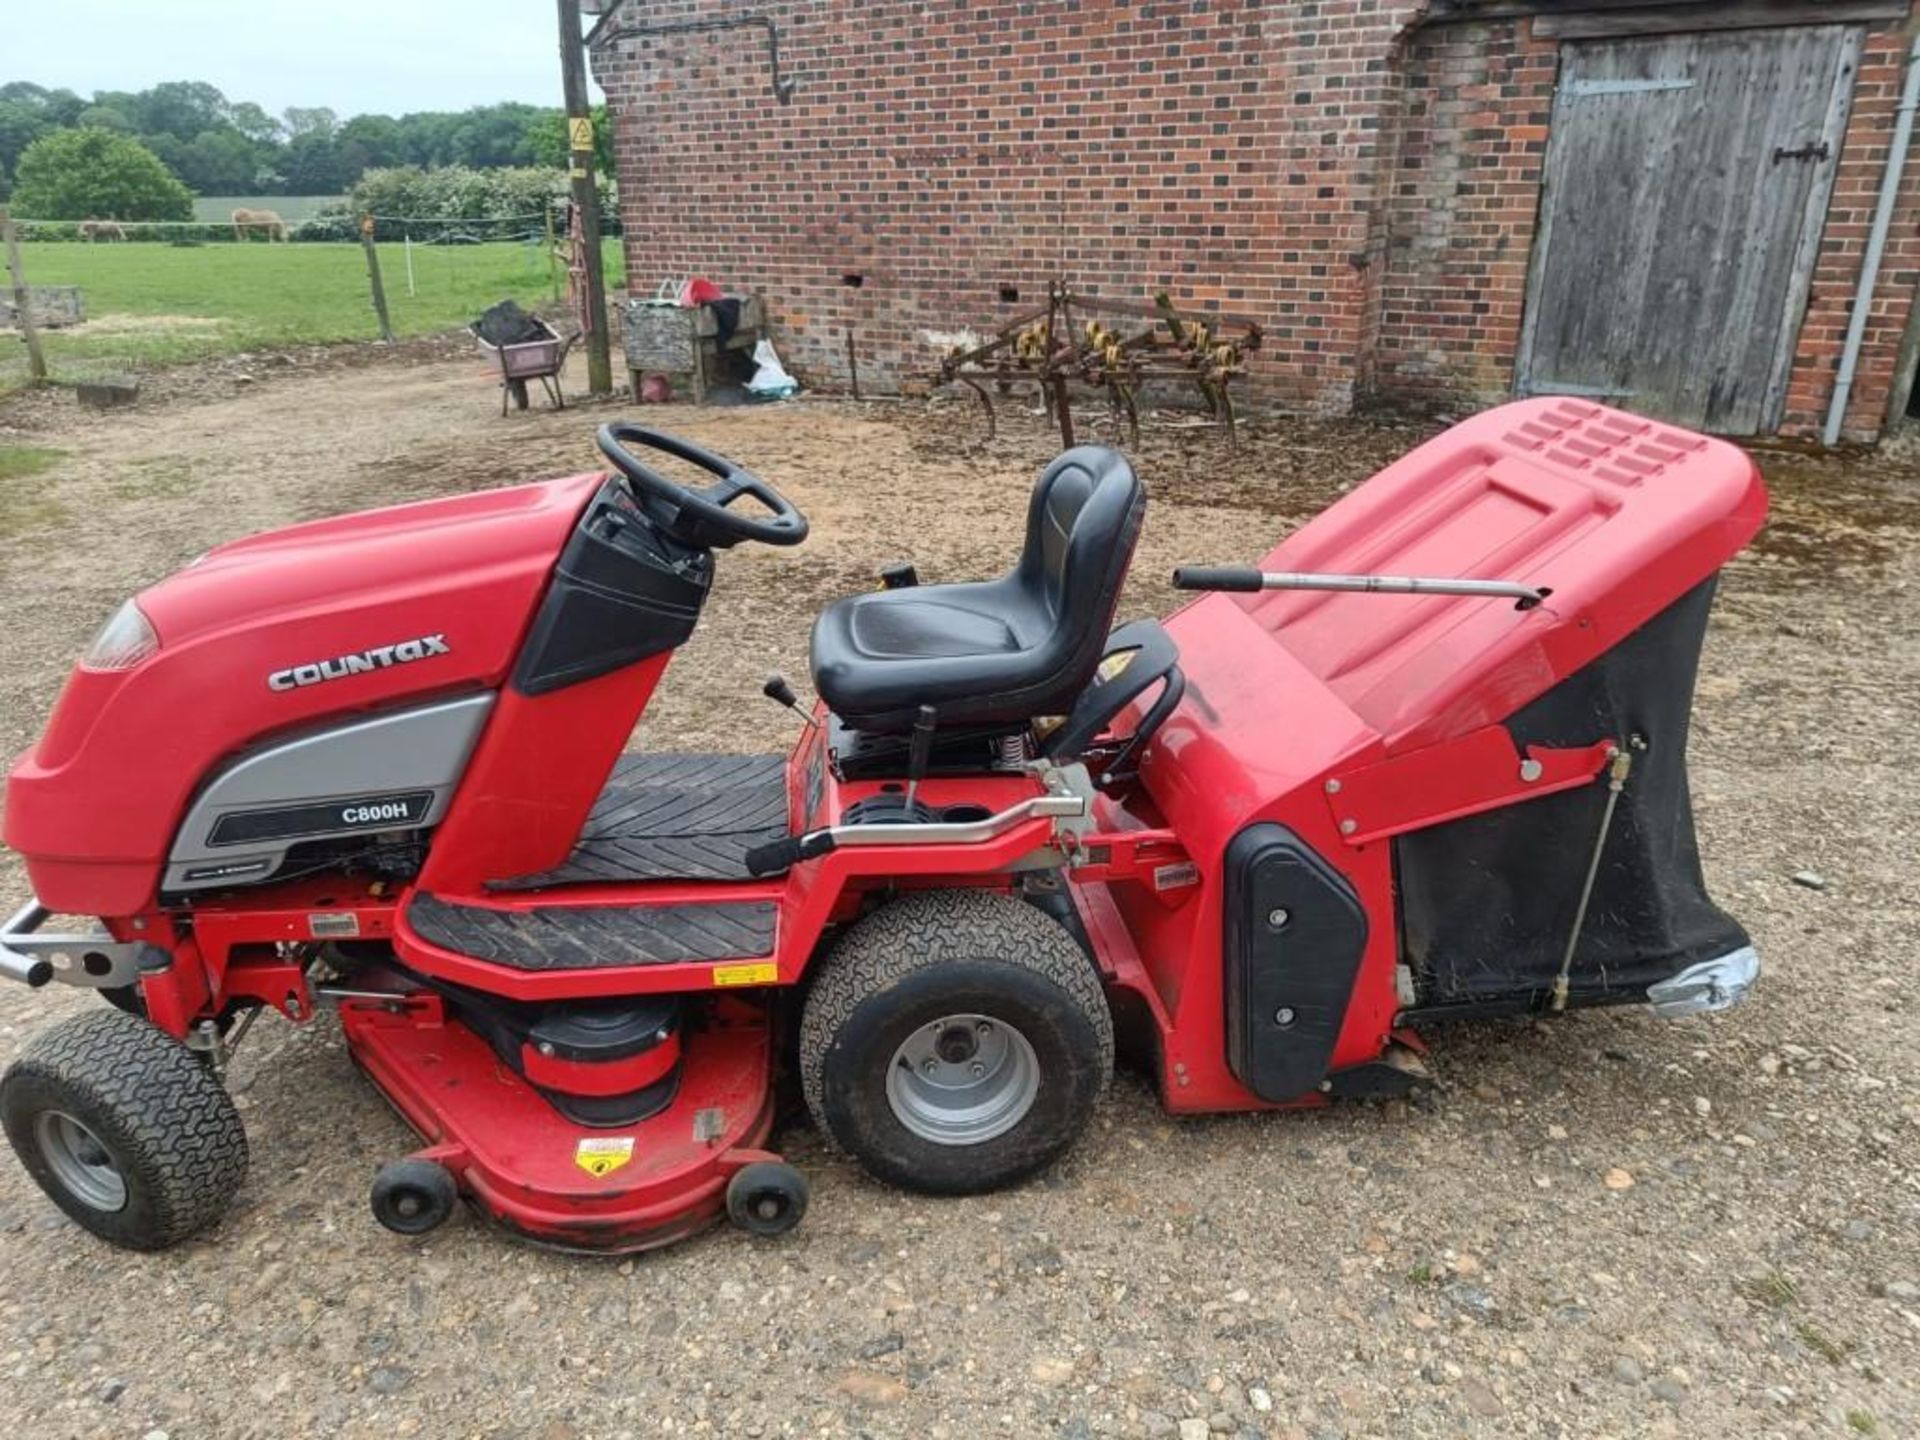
(82, 1165)
(963, 1079)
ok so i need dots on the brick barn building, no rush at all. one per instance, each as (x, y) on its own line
(1438, 204)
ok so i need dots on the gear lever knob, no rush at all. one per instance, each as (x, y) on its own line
(781, 693)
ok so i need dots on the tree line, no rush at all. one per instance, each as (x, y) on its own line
(211, 145)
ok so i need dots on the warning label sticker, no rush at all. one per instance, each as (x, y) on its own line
(760, 972)
(603, 1154)
(580, 132)
(1172, 877)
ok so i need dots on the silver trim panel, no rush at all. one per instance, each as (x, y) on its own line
(421, 749)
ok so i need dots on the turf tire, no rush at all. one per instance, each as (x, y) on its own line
(944, 952)
(168, 1126)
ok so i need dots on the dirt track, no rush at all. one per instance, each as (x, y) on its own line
(1370, 1271)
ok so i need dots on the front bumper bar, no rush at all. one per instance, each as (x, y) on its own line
(94, 960)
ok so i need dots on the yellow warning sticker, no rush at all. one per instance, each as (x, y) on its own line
(760, 972)
(580, 132)
(603, 1154)
(1116, 664)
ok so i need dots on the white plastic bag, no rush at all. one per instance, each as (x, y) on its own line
(770, 378)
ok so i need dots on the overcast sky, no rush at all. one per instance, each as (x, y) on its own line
(388, 56)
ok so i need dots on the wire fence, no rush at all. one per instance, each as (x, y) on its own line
(184, 292)
(329, 227)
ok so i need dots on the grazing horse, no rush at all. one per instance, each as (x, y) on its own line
(92, 230)
(266, 220)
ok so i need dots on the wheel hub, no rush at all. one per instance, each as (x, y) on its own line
(80, 1162)
(963, 1079)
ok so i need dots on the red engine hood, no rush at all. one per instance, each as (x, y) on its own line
(252, 640)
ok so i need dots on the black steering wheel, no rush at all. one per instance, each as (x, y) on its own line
(700, 517)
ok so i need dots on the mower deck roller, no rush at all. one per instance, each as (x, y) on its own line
(1424, 760)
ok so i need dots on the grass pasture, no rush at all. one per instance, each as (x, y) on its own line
(151, 305)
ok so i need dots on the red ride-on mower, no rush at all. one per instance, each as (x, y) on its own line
(1428, 761)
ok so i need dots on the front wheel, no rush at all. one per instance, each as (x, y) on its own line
(124, 1129)
(955, 1041)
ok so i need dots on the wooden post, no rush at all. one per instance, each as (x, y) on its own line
(22, 305)
(586, 198)
(373, 274)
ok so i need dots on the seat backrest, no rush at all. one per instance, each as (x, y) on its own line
(1082, 524)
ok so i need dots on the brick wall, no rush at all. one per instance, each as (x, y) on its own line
(1460, 218)
(1364, 188)
(1223, 150)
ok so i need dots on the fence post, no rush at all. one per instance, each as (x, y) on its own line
(373, 274)
(36, 362)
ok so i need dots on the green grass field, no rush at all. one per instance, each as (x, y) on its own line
(150, 305)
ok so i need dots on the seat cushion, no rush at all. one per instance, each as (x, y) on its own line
(959, 648)
(1000, 652)
(900, 625)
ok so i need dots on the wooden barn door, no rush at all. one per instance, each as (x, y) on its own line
(1686, 182)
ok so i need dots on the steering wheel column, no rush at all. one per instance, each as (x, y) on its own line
(701, 518)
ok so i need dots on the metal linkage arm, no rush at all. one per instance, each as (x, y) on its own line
(779, 854)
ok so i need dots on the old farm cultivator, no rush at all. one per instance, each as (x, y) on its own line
(1109, 345)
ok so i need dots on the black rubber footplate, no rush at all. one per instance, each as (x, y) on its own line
(555, 937)
(674, 817)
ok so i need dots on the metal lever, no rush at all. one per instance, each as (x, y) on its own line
(1236, 577)
(781, 693)
(780, 854)
(919, 754)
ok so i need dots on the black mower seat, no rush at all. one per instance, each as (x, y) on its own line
(1000, 652)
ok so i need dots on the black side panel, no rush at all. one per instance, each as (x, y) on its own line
(1295, 933)
(356, 812)
(1487, 903)
(621, 592)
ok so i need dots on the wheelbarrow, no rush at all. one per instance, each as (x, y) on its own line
(539, 359)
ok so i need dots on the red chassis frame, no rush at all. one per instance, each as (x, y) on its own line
(1348, 719)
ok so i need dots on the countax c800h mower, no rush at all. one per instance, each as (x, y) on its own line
(1427, 761)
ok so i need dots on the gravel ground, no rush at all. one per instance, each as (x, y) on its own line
(1605, 1226)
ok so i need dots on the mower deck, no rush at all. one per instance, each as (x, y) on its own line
(529, 1168)
(577, 937)
(674, 817)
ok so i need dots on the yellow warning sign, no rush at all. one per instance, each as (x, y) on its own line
(580, 132)
(760, 972)
(602, 1155)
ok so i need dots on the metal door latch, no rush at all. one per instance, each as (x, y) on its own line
(1812, 150)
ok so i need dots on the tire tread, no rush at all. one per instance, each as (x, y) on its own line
(190, 1148)
(921, 931)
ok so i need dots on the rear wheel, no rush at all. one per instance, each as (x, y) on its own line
(955, 1041)
(124, 1129)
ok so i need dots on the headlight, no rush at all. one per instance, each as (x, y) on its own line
(123, 642)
